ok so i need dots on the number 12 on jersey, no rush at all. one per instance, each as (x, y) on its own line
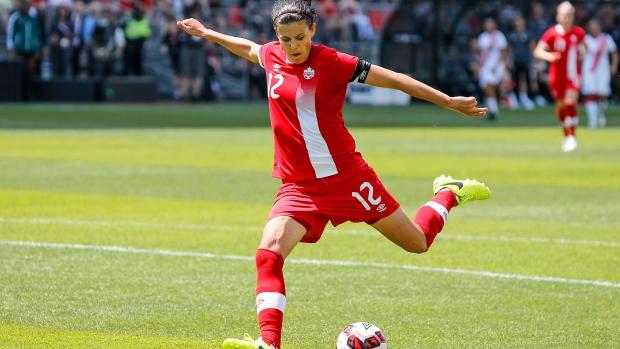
(369, 200)
(271, 89)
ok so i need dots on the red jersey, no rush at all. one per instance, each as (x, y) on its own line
(567, 44)
(305, 107)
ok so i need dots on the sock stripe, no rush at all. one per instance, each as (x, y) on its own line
(439, 208)
(270, 300)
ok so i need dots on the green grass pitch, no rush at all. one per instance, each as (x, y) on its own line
(134, 226)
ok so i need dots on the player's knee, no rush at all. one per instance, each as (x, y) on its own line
(416, 247)
(272, 238)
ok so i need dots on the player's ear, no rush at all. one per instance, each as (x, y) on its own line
(312, 30)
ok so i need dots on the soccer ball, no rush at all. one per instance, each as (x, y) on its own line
(361, 335)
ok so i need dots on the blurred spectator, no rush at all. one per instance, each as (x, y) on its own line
(78, 57)
(191, 59)
(330, 30)
(171, 46)
(100, 40)
(137, 30)
(521, 47)
(61, 43)
(24, 38)
(537, 24)
(358, 23)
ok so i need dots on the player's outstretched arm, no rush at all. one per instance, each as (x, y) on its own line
(382, 77)
(242, 47)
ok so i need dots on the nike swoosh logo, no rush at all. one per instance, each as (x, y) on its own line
(458, 184)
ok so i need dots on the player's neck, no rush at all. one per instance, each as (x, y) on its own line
(562, 29)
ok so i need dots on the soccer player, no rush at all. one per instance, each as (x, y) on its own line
(491, 48)
(324, 179)
(597, 72)
(560, 46)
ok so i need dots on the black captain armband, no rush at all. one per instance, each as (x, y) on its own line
(361, 71)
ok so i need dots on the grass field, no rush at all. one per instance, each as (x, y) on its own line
(135, 227)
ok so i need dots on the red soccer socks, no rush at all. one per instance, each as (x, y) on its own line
(432, 216)
(270, 295)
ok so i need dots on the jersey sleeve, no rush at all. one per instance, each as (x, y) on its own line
(611, 45)
(263, 53)
(581, 34)
(341, 66)
(548, 37)
(503, 43)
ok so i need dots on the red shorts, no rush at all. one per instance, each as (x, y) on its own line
(558, 87)
(358, 197)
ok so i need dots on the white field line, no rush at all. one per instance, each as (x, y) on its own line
(224, 227)
(319, 262)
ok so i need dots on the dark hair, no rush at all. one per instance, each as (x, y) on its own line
(289, 11)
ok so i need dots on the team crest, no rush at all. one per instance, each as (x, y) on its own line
(276, 67)
(308, 73)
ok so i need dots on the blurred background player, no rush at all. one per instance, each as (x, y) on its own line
(521, 46)
(324, 179)
(491, 49)
(597, 71)
(560, 46)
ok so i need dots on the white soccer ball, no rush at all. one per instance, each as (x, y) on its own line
(361, 335)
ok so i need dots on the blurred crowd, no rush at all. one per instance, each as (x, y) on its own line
(76, 38)
(83, 39)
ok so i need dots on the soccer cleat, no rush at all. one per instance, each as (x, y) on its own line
(246, 343)
(569, 144)
(465, 190)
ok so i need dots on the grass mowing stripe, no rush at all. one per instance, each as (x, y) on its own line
(510, 239)
(488, 274)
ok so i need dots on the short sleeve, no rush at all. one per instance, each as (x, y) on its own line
(611, 45)
(502, 41)
(581, 34)
(341, 66)
(548, 37)
(263, 53)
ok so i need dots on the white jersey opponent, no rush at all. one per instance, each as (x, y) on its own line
(491, 64)
(596, 66)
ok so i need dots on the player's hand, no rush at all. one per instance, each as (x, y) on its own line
(554, 56)
(467, 106)
(192, 27)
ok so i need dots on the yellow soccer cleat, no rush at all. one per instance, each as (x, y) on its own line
(246, 343)
(465, 190)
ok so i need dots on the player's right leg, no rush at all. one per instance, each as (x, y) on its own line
(280, 236)
(418, 235)
(591, 104)
(490, 91)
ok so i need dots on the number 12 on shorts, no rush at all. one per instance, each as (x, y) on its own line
(369, 200)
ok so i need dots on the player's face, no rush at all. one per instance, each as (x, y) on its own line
(489, 25)
(296, 40)
(566, 16)
(594, 28)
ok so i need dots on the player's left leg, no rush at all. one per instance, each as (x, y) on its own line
(571, 119)
(417, 236)
(603, 103)
(591, 103)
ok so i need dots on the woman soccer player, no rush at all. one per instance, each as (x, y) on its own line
(323, 177)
